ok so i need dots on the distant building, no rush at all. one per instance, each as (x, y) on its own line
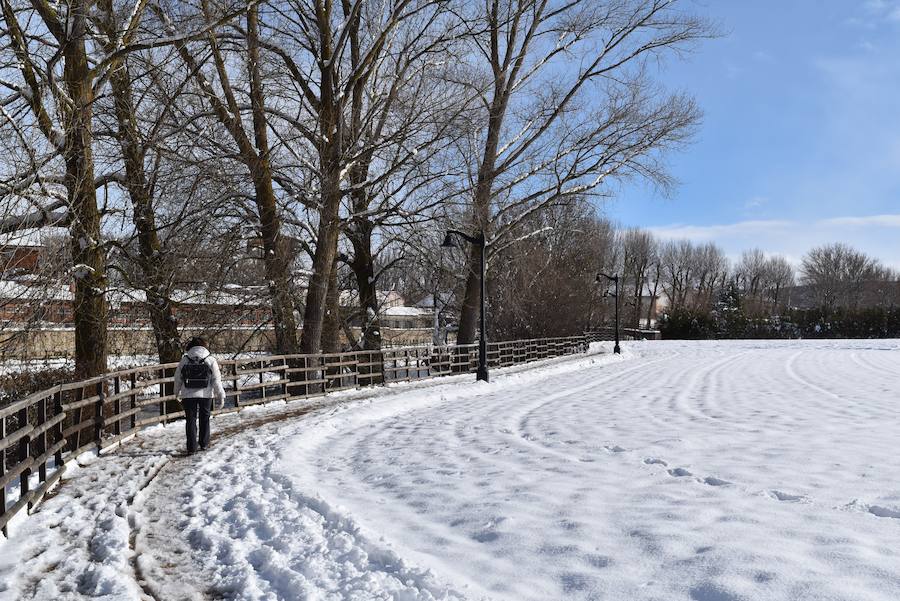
(21, 252)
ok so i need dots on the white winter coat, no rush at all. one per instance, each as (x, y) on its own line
(214, 390)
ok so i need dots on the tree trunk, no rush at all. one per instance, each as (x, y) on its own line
(331, 323)
(150, 256)
(88, 254)
(276, 253)
(364, 271)
(469, 314)
(323, 264)
(652, 306)
(481, 209)
(330, 149)
(640, 278)
(276, 264)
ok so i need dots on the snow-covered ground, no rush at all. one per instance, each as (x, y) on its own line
(711, 471)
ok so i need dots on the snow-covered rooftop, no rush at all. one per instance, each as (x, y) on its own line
(406, 311)
(33, 291)
(34, 237)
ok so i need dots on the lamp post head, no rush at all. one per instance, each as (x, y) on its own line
(611, 278)
(448, 241)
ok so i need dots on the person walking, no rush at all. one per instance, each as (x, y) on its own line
(197, 382)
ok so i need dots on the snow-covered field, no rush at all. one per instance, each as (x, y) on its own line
(711, 471)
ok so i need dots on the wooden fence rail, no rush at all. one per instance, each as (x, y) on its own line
(607, 333)
(41, 433)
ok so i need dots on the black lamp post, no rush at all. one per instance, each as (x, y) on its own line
(479, 240)
(615, 280)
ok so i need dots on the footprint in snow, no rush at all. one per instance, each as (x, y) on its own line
(485, 536)
(615, 449)
(712, 481)
(783, 496)
(710, 592)
(655, 461)
(679, 472)
(884, 512)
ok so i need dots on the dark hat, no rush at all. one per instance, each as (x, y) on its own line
(195, 341)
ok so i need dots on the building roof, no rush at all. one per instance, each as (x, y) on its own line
(231, 297)
(406, 312)
(31, 238)
(385, 298)
(33, 291)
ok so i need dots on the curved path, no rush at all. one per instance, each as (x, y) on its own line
(681, 471)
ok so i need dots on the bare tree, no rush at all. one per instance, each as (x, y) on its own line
(779, 275)
(155, 276)
(547, 131)
(544, 285)
(232, 105)
(692, 275)
(836, 274)
(638, 254)
(58, 78)
(750, 272)
(400, 115)
(330, 56)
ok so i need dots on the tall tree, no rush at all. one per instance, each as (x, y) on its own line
(69, 132)
(150, 257)
(551, 131)
(332, 55)
(638, 250)
(253, 149)
(836, 274)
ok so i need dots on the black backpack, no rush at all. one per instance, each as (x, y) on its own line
(195, 373)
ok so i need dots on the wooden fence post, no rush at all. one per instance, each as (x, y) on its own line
(134, 399)
(262, 380)
(24, 450)
(3, 471)
(234, 383)
(58, 410)
(117, 405)
(41, 420)
(98, 413)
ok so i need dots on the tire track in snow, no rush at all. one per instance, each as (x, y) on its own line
(620, 381)
(840, 410)
(699, 382)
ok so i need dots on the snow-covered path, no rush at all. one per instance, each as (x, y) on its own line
(682, 471)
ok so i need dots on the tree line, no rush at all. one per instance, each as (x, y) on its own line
(295, 147)
(688, 289)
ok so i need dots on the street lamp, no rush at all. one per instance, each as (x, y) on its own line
(479, 240)
(615, 280)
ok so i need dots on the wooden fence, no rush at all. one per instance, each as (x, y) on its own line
(608, 333)
(42, 432)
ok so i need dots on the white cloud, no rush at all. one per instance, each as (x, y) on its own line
(716, 232)
(888, 10)
(872, 220)
(873, 234)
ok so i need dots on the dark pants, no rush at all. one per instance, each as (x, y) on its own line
(193, 407)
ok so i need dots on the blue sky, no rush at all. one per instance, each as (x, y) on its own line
(800, 142)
